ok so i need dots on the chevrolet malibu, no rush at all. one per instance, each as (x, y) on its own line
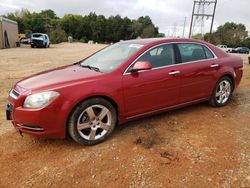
(119, 83)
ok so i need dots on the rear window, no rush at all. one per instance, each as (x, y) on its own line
(208, 53)
(194, 52)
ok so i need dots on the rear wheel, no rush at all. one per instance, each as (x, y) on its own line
(222, 92)
(92, 121)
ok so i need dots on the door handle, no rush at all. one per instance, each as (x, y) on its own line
(174, 72)
(214, 65)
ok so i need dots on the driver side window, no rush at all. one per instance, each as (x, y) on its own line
(159, 56)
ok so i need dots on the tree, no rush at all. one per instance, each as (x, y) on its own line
(90, 27)
(230, 34)
(148, 31)
(22, 17)
(70, 24)
(58, 35)
(198, 36)
(246, 43)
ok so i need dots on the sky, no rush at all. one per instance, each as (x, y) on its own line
(168, 15)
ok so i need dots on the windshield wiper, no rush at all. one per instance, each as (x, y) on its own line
(90, 67)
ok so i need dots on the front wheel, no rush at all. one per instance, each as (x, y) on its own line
(222, 92)
(92, 121)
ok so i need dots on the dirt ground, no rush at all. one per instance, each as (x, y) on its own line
(197, 146)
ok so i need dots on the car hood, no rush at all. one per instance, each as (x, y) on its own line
(58, 77)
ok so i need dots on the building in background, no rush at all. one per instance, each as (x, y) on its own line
(8, 33)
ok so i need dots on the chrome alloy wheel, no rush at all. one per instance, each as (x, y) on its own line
(94, 122)
(223, 91)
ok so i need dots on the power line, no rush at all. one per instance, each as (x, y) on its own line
(202, 9)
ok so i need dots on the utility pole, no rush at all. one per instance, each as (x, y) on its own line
(202, 10)
(174, 30)
(211, 28)
(184, 27)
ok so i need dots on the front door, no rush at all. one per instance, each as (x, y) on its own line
(152, 89)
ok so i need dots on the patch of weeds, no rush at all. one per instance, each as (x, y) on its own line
(150, 139)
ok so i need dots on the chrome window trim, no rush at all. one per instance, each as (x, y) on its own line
(215, 57)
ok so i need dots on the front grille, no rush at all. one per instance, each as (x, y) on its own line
(37, 42)
(14, 94)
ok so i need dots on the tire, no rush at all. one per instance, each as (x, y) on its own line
(32, 46)
(92, 121)
(222, 92)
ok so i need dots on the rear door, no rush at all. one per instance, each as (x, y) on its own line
(198, 67)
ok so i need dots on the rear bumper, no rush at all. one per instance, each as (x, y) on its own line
(239, 74)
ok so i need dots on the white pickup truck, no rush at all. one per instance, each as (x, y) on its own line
(225, 48)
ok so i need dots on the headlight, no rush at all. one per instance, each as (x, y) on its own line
(39, 100)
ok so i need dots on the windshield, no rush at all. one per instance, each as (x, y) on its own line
(111, 57)
(37, 36)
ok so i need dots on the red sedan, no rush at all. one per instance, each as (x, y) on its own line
(122, 82)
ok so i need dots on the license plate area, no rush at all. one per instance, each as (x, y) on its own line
(9, 109)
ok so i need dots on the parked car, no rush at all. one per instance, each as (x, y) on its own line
(39, 40)
(120, 83)
(25, 41)
(225, 48)
(241, 50)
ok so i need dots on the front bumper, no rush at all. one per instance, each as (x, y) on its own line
(46, 122)
(38, 43)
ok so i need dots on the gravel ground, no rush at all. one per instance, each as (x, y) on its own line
(196, 146)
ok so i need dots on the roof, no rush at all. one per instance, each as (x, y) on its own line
(2, 19)
(160, 40)
(39, 34)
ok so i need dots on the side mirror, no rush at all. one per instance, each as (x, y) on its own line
(141, 65)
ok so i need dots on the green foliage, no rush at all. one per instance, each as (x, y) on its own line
(246, 43)
(83, 39)
(84, 28)
(161, 35)
(198, 36)
(230, 34)
(58, 35)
